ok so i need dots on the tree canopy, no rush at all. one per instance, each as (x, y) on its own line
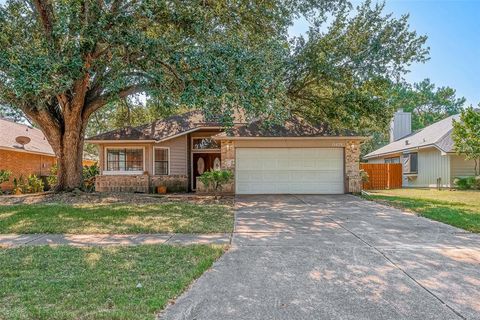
(62, 61)
(427, 103)
(466, 135)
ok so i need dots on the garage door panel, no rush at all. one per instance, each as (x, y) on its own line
(289, 170)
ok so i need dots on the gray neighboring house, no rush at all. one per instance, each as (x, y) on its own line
(428, 156)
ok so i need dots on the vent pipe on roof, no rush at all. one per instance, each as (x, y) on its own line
(401, 125)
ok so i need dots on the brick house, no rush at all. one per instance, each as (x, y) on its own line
(295, 157)
(23, 150)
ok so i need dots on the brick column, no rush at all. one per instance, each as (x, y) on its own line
(352, 166)
(227, 149)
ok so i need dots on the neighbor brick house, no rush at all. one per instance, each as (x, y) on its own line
(23, 151)
(295, 157)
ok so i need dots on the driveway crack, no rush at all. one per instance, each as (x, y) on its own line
(385, 256)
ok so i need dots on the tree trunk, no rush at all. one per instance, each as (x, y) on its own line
(67, 143)
(70, 164)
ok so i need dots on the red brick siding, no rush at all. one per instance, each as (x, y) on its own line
(23, 163)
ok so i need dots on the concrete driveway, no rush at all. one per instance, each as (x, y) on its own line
(336, 257)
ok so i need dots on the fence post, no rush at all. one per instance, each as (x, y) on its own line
(388, 176)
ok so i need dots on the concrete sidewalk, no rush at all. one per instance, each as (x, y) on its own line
(86, 240)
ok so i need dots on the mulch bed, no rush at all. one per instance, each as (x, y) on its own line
(110, 197)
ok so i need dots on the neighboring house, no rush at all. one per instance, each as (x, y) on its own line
(24, 151)
(428, 156)
(89, 159)
(293, 158)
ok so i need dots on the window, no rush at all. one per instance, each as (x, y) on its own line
(205, 144)
(410, 163)
(161, 161)
(126, 159)
(392, 160)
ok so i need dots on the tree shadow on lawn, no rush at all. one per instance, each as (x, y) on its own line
(456, 214)
(117, 218)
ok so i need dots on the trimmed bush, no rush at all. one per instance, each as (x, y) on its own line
(467, 183)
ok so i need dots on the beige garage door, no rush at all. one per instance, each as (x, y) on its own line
(289, 170)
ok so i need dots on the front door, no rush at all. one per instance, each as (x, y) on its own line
(203, 162)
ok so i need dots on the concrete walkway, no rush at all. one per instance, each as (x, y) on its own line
(336, 257)
(82, 240)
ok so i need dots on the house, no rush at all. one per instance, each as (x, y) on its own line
(428, 156)
(296, 157)
(23, 151)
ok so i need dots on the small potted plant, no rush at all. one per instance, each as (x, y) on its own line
(161, 189)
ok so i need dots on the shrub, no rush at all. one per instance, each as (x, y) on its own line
(477, 183)
(34, 184)
(89, 174)
(4, 177)
(364, 176)
(467, 183)
(52, 178)
(19, 185)
(216, 179)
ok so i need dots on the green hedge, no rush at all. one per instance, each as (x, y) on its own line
(467, 183)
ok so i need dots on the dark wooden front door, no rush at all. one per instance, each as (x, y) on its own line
(203, 162)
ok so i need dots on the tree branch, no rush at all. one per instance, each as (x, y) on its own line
(45, 12)
(102, 100)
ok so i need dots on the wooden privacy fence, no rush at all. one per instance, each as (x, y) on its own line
(382, 175)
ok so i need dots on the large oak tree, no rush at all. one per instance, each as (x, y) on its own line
(63, 60)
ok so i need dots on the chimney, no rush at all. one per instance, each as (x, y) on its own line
(401, 125)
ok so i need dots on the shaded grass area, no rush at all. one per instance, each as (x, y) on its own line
(116, 218)
(456, 208)
(97, 283)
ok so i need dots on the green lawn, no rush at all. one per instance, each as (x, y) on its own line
(116, 218)
(457, 208)
(97, 283)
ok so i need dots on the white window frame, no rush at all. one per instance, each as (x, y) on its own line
(119, 173)
(168, 167)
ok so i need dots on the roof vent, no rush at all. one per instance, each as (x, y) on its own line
(22, 140)
(407, 142)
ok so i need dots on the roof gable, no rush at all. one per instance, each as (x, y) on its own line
(438, 135)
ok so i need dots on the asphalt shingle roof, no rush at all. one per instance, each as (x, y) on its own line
(159, 129)
(293, 128)
(438, 135)
(180, 124)
(10, 130)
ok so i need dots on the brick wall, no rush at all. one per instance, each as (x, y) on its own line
(352, 166)
(23, 163)
(227, 150)
(122, 183)
(140, 183)
(174, 183)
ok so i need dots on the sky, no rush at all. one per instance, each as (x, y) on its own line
(453, 30)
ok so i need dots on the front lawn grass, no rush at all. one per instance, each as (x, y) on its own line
(457, 208)
(97, 283)
(165, 217)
